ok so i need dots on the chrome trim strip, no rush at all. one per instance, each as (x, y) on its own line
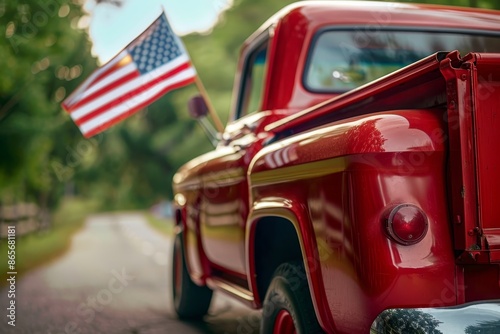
(299, 172)
(216, 179)
(235, 290)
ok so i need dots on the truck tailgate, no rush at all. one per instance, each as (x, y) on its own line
(486, 106)
(473, 93)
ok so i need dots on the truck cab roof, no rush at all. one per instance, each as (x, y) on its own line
(291, 33)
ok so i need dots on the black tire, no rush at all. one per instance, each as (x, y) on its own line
(190, 300)
(289, 294)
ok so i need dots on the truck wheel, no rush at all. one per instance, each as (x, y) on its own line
(190, 300)
(288, 306)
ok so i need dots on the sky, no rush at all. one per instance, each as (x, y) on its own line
(112, 28)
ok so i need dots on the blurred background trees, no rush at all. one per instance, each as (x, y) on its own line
(43, 57)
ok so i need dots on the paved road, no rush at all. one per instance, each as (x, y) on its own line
(113, 279)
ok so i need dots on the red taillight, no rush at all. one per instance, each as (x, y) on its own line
(406, 224)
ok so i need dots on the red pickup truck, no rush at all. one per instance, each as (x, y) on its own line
(354, 187)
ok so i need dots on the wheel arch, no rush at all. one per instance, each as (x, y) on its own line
(291, 220)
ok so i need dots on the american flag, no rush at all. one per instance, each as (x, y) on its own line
(153, 64)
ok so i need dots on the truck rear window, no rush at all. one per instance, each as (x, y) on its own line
(342, 60)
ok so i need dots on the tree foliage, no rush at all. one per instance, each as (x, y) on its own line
(408, 321)
(486, 327)
(489, 4)
(41, 58)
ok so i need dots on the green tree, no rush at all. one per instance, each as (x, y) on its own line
(41, 57)
(406, 321)
(487, 327)
(491, 4)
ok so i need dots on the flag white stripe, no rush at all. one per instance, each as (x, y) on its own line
(277, 158)
(284, 155)
(127, 105)
(126, 87)
(112, 77)
(269, 160)
(94, 76)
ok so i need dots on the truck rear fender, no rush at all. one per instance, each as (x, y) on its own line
(289, 217)
(320, 174)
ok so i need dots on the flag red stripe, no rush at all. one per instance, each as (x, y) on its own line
(105, 89)
(106, 73)
(145, 103)
(65, 106)
(86, 84)
(121, 99)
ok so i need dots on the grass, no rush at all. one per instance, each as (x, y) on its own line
(41, 247)
(163, 225)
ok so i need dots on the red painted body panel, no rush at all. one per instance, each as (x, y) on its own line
(333, 166)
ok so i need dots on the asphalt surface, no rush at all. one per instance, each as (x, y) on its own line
(114, 279)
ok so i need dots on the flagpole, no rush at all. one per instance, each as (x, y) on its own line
(211, 109)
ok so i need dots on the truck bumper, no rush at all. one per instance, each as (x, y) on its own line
(483, 317)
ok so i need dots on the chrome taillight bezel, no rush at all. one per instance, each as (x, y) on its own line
(389, 225)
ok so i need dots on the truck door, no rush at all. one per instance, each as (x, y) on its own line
(224, 204)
